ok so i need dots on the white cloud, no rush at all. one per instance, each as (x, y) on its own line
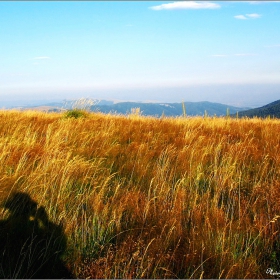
(253, 15)
(186, 5)
(41, 57)
(247, 16)
(240, 17)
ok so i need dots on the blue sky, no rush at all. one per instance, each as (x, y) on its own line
(225, 51)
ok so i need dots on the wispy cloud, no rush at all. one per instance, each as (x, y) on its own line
(182, 5)
(240, 17)
(245, 54)
(273, 46)
(254, 2)
(253, 15)
(41, 57)
(247, 16)
(219, 55)
(261, 2)
(237, 54)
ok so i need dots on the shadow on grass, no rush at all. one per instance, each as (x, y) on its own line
(30, 245)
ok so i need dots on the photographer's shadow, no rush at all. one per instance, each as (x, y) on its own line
(30, 245)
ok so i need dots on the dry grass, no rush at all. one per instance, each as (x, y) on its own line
(151, 198)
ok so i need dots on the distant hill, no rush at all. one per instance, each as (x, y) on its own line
(168, 109)
(271, 109)
(147, 109)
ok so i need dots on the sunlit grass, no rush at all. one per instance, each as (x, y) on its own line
(141, 197)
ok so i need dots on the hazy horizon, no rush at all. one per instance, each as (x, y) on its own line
(164, 51)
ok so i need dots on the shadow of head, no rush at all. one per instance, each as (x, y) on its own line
(31, 246)
(21, 204)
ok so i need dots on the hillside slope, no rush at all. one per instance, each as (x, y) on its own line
(271, 109)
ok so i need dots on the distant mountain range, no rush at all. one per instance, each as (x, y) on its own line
(146, 109)
(166, 109)
(150, 109)
(269, 110)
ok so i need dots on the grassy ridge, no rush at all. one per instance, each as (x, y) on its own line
(271, 110)
(148, 198)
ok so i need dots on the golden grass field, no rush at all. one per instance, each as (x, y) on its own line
(140, 197)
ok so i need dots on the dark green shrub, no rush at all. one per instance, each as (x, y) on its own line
(75, 113)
